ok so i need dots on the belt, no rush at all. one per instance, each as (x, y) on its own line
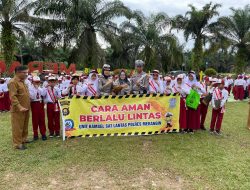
(51, 103)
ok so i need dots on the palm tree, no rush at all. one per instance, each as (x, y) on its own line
(236, 28)
(14, 16)
(153, 43)
(83, 20)
(196, 23)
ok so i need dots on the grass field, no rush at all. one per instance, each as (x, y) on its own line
(170, 161)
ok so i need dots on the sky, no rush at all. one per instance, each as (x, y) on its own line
(174, 7)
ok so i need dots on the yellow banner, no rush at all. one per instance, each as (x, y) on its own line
(120, 115)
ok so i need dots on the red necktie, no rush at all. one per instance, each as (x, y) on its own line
(75, 90)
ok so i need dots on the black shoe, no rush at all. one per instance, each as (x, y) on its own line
(203, 128)
(217, 133)
(191, 131)
(21, 147)
(44, 138)
(35, 138)
(57, 135)
(51, 135)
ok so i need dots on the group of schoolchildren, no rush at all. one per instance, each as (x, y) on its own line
(47, 93)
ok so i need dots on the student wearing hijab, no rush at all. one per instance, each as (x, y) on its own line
(90, 86)
(155, 83)
(105, 83)
(239, 88)
(180, 88)
(193, 116)
(168, 86)
(122, 84)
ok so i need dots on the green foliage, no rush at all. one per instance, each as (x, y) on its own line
(210, 72)
(196, 24)
(236, 28)
(14, 15)
(8, 40)
(159, 50)
(199, 161)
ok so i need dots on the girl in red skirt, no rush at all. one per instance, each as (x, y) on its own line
(183, 90)
(193, 116)
(4, 95)
(239, 84)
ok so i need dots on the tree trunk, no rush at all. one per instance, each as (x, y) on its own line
(241, 58)
(8, 43)
(198, 54)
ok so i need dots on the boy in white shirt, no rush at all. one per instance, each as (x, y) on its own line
(220, 96)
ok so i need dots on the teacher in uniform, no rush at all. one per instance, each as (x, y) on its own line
(20, 106)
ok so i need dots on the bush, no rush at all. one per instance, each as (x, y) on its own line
(210, 72)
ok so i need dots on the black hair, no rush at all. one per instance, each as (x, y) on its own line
(75, 77)
(126, 77)
(21, 68)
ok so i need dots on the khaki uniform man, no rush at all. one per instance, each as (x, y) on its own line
(20, 106)
(105, 82)
(140, 80)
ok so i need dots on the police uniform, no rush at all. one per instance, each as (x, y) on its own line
(105, 83)
(139, 81)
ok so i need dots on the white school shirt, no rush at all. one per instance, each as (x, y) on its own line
(183, 89)
(239, 82)
(154, 87)
(60, 86)
(4, 87)
(168, 89)
(46, 94)
(90, 90)
(220, 94)
(45, 83)
(74, 89)
(248, 82)
(35, 93)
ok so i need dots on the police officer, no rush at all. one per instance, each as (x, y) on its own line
(105, 83)
(140, 80)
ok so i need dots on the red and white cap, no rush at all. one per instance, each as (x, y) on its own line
(52, 78)
(36, 79)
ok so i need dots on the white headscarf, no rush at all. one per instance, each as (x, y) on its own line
(189, 82)
(94, 84)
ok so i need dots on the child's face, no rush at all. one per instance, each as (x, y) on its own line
(208, 83)
(75, 81)
(221, 86)
(155, 76)
(191, 78)
(122, 75)
(93, 77)
(52, 83)
(179, 81)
